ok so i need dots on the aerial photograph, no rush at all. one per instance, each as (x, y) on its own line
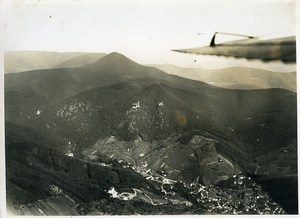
(139, 107)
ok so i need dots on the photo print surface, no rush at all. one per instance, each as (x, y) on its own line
(150, 108)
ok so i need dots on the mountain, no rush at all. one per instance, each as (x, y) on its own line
(168, 129)
(236, 77)
(220, 110)
(247, 125)
(55, 85)
(65, 82)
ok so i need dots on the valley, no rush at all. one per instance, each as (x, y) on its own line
(116, 137)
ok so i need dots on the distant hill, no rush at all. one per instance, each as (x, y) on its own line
(236, 77)
(19, 61)
(81, 60)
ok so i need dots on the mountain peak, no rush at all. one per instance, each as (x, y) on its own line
(117, 56)
(114, 62)
(115, 59)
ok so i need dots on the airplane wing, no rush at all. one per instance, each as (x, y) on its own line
(283, 49)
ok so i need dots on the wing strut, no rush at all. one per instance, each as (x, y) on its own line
(212, 42)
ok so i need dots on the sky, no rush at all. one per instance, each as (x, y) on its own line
(145, 31)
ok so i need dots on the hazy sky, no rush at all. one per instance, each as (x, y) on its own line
(145, 31)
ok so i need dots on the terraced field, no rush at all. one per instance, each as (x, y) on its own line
(171, 158)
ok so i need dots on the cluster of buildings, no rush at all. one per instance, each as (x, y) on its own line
(242, 196)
